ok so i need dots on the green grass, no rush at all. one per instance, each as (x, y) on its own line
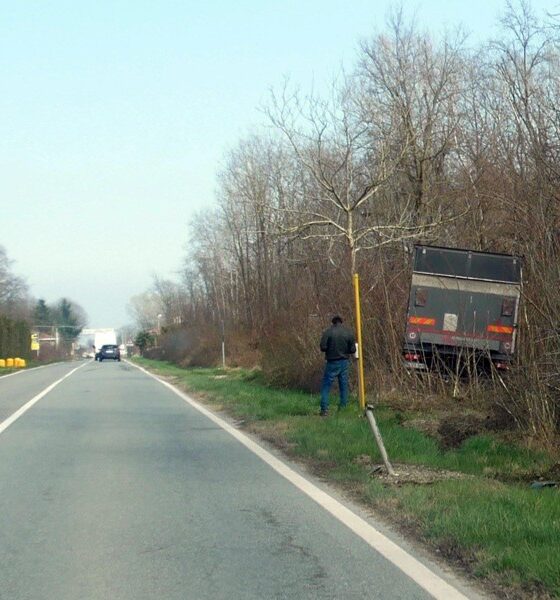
(7, 370)
(508, 530)
(505, 530)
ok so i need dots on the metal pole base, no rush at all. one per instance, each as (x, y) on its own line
(379, 440)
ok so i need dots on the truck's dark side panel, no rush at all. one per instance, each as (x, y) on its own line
(461, 299)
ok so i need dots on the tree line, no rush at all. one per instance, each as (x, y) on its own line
(20, 314)
(428, 138)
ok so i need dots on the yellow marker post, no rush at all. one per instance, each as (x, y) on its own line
(361, 382)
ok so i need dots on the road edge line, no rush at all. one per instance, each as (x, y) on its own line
(27, 370)
(432, 583)
(23, 409)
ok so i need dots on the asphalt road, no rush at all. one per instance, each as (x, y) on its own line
(113, 487)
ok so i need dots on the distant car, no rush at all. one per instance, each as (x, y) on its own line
(109, 351)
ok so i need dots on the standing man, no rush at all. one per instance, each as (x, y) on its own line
(338, 343)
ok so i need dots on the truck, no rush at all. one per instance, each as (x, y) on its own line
(102, 337)
(463, 304)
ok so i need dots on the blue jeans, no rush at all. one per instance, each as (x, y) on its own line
(335, 369)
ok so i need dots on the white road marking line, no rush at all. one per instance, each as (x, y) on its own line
(431, 582)
(26, 370)
(23, 409)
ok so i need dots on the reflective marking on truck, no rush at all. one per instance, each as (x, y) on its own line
(421, 321)
(499, 329)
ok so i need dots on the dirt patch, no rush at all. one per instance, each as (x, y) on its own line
(407, 474)
(507, 588)
(455, 429)
(427, 426)
(274, 434)
(449, 549)
(451, 431)
(414, 474)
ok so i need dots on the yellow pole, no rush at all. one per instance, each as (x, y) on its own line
(361, 382)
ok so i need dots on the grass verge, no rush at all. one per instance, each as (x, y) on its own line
(7, 371)
(504, 533)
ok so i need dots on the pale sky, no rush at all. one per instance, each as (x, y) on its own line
(115, 115)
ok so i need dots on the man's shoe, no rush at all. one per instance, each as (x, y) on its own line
(324, 413)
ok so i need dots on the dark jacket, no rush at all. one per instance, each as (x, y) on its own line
(337, 342)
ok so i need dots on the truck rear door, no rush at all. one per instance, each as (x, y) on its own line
(462, 299)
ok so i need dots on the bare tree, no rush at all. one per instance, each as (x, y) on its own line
(14, 295)
(411, 89)
(172, 300)
(144, 309)
(350, 169)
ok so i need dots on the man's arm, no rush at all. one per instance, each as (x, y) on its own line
(324, 341)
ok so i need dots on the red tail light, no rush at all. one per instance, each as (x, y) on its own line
(411, 356)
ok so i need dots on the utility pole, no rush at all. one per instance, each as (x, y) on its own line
(361, 382)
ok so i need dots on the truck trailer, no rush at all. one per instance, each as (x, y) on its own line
(463, 304)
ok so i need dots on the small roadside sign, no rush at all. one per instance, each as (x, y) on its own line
(34, 341)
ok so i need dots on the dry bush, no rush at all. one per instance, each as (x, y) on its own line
(206, 353)
(195, 345)
(177, 343)
(51, 353)
(291, 357)
(530, 405)
(201, 345)
(532, 391)
(243, 349)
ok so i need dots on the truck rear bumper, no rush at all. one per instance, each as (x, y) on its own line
(423, 357)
